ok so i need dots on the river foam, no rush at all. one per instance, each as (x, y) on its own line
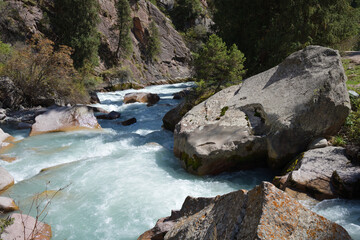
(122, 179)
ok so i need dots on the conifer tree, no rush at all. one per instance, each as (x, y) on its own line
(75, 24)
(124, 25)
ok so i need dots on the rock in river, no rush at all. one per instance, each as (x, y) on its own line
(141, 97)
(64, 119)
(262, 213)
(271, 117)
(7, 205)
(6, 180)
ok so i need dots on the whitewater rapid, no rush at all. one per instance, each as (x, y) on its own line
(120, 180)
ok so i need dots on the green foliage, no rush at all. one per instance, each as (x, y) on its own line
(153, 42)
(123, 24)
(223, 111)
(269, 30)
(41, 71)
(195, 37)
(352, 72)
(5, 53)
(185, 12)
(217, 67)
(75, 23)
(4, 223)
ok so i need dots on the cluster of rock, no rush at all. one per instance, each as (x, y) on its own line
(322, 173)
(262, 213)
(269, 118)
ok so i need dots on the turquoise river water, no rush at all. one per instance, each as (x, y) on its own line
(120, 180)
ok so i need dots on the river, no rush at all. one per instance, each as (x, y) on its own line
(120, 180)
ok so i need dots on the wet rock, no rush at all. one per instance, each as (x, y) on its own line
(182, 94)
(262, 213)
(23, 125)
(269, 116)
(7, 205)
(129, 122)
(110, 116)
(318, 143)
(173, 117)
(64, 119)
(94, 98)
(323, 173)
(6, 180)
(141, 97)
(2, 114)
(26, 227)
(6, 140)
(98, 109)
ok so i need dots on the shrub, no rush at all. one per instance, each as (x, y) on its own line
(40, 71)
(153, 42)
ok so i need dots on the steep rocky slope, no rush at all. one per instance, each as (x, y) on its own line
(19, 20)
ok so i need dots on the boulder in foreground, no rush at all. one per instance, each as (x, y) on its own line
(270, 117)
(64, 119)
(141, 97)
(26, 227)
(262, 213)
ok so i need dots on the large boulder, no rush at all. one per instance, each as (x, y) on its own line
(6, 180)
(322, 173)
(141, 97)
(26, 227)
(262, 213)
(274, 115)
(64, 119)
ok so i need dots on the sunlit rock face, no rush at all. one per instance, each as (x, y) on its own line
(64, 119)
(272, 116)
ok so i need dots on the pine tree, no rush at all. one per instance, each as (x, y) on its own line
(153, 42)
(269, 30)
(124, 25)
(185, 13)
(75, 23)
(217, 66)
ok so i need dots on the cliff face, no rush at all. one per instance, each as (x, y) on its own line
(19, 20)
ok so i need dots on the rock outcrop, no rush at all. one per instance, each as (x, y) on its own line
(26, 227)
(6, 180)
(269, 116)
(64, 119)
(7, 205)
(323, 173)
(262, 213)
(141, 97)
(10, 95)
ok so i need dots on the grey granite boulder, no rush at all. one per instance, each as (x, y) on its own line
(323, 173)
(6, 140)
(272, 116)
(262, 213)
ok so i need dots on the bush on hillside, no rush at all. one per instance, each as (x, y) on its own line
(41, 71)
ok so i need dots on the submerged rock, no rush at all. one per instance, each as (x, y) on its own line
(64, 119)
(110, 116)
(323, 173)
(269, 116)
(7, 205)
(141, 97)
(26, 227)
(6, 180)
(128, 122)
(262, 213)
